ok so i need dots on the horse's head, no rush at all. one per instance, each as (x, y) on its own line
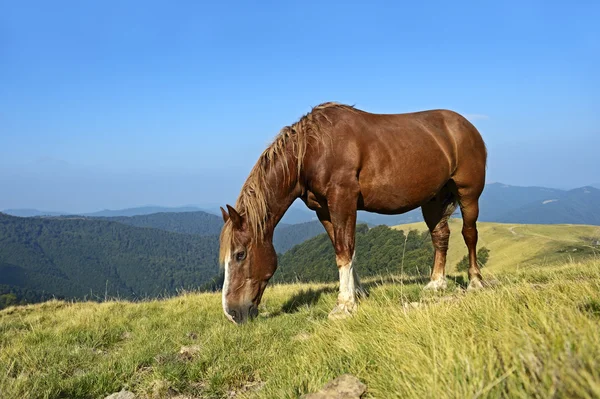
(249, 263)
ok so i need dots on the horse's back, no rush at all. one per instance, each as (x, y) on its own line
(432, 136)
(400, 160)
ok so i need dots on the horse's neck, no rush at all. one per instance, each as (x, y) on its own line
(284, 189)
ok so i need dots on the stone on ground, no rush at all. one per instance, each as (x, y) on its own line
(121, 395)
(345, 386)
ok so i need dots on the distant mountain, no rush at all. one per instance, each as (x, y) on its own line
(298, 213)
(499, 199)
(374, 219)
(578, 206)
(188, 222)
(142, 210)
(497, 203)
(79, 257)
(31, 212)
(204, 224)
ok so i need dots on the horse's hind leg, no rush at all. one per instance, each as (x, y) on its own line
(469, 206)
(436, 213)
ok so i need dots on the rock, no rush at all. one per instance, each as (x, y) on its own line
(345, 386)
(121, 395)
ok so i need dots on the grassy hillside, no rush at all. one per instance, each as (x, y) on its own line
(518, 246)
(533, 335)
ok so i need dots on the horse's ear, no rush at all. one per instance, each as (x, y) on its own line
(225, 215)
(235, 218)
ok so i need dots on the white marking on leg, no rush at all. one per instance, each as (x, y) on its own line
(347, 283)
(226, 288)
(346, 303)
(475, 284)
(439, 284)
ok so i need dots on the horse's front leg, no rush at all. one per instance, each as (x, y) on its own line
(342, 209)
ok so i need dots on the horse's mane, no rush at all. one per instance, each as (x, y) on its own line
(252, 201)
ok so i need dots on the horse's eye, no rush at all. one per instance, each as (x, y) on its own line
(240, 256)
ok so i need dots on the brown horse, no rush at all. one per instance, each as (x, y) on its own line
(339, 159)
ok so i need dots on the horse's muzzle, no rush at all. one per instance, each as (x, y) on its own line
(241, 314)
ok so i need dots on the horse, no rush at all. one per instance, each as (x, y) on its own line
(339, 159)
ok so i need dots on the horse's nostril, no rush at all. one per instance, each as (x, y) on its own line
(233, 314)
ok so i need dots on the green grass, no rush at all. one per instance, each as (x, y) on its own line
(535, 334)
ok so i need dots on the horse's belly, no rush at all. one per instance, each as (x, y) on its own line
(394, 193)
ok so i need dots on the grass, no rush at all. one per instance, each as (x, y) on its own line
(535, 334)
(514, 246)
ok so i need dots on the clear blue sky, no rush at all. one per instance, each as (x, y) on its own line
(112, 104)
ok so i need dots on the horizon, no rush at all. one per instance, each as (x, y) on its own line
(108, 106)
(213, 208)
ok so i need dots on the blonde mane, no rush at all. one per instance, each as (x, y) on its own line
(252, 201)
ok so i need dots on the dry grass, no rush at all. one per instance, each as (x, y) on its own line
(515, 246)
(534, 335)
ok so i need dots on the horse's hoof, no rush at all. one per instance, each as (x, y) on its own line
(342, 311)
(436, 285)
(475, 285)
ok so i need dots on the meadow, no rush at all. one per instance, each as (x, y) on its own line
(533, 333)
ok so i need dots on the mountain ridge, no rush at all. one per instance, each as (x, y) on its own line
(499, 202)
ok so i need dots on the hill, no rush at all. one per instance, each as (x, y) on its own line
(142, 210)
(499, 199)
(514, 204)
(534, 335)
(380, 251)
(578, 206)
(79, 257)
(203, 224)
(27, 212)
(75, 257)
(190, 222)
(514, 246)
(288, 236)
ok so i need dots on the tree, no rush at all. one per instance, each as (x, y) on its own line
(7, 300)
(483, 255)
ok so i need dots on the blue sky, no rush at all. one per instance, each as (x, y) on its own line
(122, 103)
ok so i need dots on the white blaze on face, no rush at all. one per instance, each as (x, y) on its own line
(226, 287)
